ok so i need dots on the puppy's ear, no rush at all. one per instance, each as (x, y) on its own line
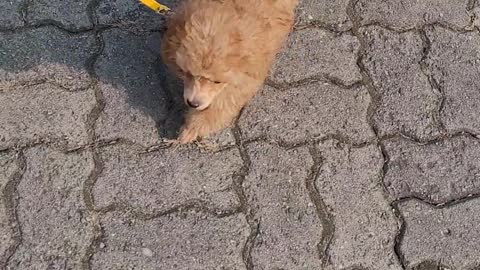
(181, 60)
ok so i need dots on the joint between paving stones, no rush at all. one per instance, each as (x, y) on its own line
(195, 205)
(23, 10)
(10, 198)
(321, 25)
(370, 119)
(367, 80)
(326, 219)
(325, 78)
(293, 145)
(245, 208)
(394, 206)
(471, 4)
(418, 27)
(434, 85)
(90, 125)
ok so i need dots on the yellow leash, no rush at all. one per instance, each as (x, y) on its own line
(155, 6)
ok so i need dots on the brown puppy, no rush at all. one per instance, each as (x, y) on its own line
(223, 51)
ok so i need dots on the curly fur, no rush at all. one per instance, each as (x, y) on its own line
(223, 50)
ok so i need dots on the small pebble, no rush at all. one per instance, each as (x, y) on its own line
(147, 252)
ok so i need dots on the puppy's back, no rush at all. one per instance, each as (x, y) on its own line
(239, 35)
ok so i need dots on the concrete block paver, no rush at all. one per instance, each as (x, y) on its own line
(369, 121)
(332, 14)
(191, 240)
(71, 14)
(133, 89)
(454, 61)
(409, 14)
(11, 16)
(289, 230)
(44, 113)
(449, 236)
(131, 14)
(158, 181)
(45, 54)
(309, 111)
(313, 52)
(9, 167)
(365, 226)
(407, 104)
(56, 230)
(438, 172)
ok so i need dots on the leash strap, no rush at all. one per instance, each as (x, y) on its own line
(155, 6)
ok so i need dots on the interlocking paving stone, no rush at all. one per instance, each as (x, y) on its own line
(45, 54)
(71, 14)
(289, 229)
(448, 235)
(127, 13)
(454, 60)
(157, 181)
(10, 16)
(476, 13)
(313, 52)
(365, 227)
(55, 229)
(407, 102)
(408, 14)
(143, 101)
(8, 169)
(44, 113)
(177, 241)
(325, 12)
(133, 88)
(310, 111)
(438, 172)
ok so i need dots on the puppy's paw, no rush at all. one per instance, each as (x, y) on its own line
(188, 134)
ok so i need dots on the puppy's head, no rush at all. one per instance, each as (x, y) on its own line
(203, 81)
(200, 91)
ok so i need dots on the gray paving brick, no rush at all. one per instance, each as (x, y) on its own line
(410, 14)
(133, 88)
(454, 61)
(289, 229)
(314, 110)
(407, 102)
(438, 172)
(476, 14)
(449, 236)
(51, 212)
(10, 16)
(330, 13)
(8, 169)
(178, 241)
(158, 181)
(45, 54)
(44, 113)
(71, 14)
(131, 14)
(365, 226)
(313, 52)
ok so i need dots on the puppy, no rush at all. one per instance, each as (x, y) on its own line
(223, 50)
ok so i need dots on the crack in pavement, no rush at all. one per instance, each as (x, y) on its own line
(10, 198)
(325, 217)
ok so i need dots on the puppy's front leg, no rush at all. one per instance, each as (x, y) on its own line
(217, 116)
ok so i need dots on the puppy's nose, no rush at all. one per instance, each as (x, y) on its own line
(193, 104)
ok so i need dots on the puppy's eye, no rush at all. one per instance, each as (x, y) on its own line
(217, 82)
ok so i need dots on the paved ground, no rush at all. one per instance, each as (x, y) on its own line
(362, 152)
